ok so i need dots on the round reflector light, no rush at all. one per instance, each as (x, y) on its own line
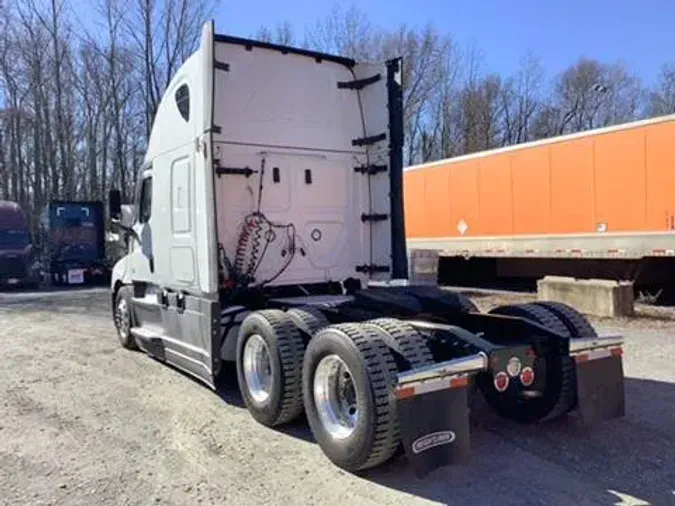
(501, 381)
(513, 366)
(527, 376)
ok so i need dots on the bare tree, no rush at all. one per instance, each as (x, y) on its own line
(167, 35)
(662, 99)
(521, 99)
(590, 94)
(282, 34)
(348, 33)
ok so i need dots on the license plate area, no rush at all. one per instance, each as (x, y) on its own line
(75, 276)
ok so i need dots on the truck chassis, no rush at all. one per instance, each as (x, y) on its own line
(389, 369)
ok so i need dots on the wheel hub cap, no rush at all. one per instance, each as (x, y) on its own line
(257, 369)
(336, 397)
(123, 320)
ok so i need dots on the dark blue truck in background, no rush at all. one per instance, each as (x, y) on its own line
(73, 243)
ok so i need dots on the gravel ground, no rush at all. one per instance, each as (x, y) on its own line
(85, 422)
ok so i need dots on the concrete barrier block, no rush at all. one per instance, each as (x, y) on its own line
(598, 297)
(423, 266)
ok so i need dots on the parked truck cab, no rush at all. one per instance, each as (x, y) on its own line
(268, 234)
(18, 263)
(73, 242)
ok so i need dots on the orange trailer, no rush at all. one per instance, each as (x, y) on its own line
(602, 194)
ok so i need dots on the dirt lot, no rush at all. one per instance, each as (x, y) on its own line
(84, 422)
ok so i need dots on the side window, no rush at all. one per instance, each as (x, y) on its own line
(183, 101)
(145, 207)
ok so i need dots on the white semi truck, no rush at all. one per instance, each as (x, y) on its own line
(268, 233)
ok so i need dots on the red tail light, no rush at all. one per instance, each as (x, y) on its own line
(501, 381)
(527, 376)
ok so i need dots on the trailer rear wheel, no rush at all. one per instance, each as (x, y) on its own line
(269, 366)
(558, 395)
(348, 377)
(405, 341)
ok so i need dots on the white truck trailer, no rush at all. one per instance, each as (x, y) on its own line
(268, 233)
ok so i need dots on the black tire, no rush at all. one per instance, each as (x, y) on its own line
(376, 434)
(576, 323)
(405, 341)
(286, 349)
(459, 300)
(308, 319)
(123, 317)
(559, 392)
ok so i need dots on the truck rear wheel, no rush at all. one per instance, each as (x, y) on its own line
(558, 395)
(348, 377)
(308, 319)
(575, 322)
(405, 341)
(269, 366)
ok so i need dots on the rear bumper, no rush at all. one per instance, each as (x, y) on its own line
(433, 408)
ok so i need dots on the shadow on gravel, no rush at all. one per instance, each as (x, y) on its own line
(634, 455)
(551, 463)
(228, 390)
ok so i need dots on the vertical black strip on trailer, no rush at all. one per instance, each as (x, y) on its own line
(399, 258)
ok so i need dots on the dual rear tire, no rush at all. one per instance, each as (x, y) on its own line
(343, 376)
(343, 379)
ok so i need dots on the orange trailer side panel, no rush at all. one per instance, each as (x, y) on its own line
(618, 181)
(531, 191)
(660, 160)
(413, 203)
(463, 199)
(572, 187)
(495, 200)
(437, 202)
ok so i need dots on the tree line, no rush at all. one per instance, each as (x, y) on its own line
(77, 101)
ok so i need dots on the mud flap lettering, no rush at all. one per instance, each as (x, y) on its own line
(435, 429)
(600, 390)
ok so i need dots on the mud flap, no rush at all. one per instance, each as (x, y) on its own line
(435, 429)
(600, 389)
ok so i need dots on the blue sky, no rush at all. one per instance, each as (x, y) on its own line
(639, 33)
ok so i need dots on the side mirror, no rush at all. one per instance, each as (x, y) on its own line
(115, 205)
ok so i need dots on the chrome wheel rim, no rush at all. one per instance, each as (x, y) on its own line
(257, 369)
(336, 397)
(123, 319)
